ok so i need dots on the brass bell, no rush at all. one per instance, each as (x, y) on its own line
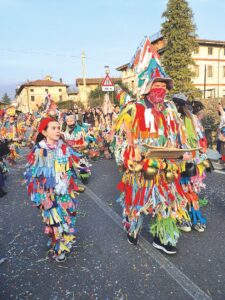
(170, 176)
(81, 188)
(150, 172)
(138, 168)
(206, 163)
(130, 164)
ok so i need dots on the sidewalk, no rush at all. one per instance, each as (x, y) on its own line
(214, 156)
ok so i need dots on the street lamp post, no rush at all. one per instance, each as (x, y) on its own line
(107, 71)
(84, 76)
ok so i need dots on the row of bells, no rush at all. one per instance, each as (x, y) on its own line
(150, 172)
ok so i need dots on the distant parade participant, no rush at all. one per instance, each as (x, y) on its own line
(75, 135)
(148, 147)
(4, 151)
(51, 179)
(195, 164)
(11, 132)
(221, 134)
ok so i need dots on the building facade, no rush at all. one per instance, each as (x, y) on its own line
(90, 84)
(30, 95)
(210, 68)
(209, 72)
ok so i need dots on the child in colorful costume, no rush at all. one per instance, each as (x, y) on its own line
(51, 181)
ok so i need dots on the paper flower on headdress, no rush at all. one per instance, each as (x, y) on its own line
(11, 111)
(122, 96)
(147, 68)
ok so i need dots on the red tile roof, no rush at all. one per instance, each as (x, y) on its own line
(40, 83)
(123, 67)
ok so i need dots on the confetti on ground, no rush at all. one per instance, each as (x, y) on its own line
(14, 239)
(2, 260)
(42, 259)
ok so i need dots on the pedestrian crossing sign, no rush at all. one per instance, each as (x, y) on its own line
(107, 84)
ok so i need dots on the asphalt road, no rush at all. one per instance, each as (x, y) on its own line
(102, 264)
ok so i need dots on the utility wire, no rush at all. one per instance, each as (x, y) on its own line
(39, 53)
(27, 52)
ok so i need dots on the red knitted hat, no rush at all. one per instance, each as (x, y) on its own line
(44, 123)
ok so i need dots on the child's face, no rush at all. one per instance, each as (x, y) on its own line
(52, 133)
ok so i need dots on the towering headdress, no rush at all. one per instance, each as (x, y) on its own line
(147, 68)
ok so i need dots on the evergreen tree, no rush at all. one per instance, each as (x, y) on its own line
(178, 31)
(6, 99)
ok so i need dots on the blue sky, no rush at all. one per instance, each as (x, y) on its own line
(39, 37)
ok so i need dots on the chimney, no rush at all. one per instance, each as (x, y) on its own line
(48, 77)
(60, 80)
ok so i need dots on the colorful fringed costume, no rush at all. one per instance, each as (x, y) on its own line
(194, 167)
(146, 185)
(51, 183)
(12, 130)
(154, 183)
(78, 139)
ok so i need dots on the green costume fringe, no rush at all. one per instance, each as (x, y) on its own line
(166, 230)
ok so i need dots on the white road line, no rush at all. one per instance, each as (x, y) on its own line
(220, 172)
(189, 286)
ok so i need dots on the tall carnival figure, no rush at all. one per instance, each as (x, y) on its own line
(51, 182)
(150, 142)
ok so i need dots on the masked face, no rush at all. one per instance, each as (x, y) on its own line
(70, 122)
(157, 93)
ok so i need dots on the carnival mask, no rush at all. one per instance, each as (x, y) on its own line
(156, 95)
(71, 126)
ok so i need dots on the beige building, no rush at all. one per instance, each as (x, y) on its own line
(30, 95)
(209, 70)
(73, 96)
(91, 85)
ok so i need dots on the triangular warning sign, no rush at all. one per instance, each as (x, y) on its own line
(107, 81)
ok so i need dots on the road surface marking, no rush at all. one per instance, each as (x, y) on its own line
(220, 172)
(189, 286)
